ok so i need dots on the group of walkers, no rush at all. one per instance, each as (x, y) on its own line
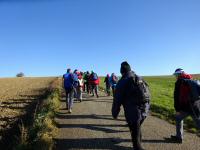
(76, 82)
(132, 92)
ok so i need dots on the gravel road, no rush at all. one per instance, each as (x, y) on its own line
(90, 126)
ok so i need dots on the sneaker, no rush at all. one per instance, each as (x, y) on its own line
(70, 111)
(176, 139)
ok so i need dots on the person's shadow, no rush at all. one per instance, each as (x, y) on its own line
(90, 143)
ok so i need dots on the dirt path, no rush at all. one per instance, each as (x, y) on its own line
(91, 126)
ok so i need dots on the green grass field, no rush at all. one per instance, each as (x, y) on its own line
(162, 103)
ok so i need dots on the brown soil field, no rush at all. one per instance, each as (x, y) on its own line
(16, 94)
(196, 76)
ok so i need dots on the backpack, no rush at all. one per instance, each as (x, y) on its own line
(194, 95)
(94, 77)
(75, 76)
(68, 81)
(141, 90)
(114, 79)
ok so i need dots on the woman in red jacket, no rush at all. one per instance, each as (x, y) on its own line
(94, 82)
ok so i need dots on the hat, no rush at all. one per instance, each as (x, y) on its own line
(125, 67)
(178, 71)
(68, 70)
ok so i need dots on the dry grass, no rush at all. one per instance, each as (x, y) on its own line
(18, 93)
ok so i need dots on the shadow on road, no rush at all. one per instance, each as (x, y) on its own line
(165, 140)
(62, 115)
(104, 128)
(90, 143)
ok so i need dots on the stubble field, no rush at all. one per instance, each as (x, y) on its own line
(17, 94)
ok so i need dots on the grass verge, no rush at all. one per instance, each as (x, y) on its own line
(40, 135)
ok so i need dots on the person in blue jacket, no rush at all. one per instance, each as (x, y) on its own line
(76, 83)
(69, 83)
(113, 82)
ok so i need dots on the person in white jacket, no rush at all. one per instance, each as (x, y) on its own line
(80, 87)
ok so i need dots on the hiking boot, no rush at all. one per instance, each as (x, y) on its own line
(176, 139)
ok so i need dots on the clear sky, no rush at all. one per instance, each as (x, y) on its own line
(45, 37)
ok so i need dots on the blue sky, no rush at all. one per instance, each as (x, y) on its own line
(45, 37)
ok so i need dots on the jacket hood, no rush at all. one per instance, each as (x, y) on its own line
(185, 76)
(129, 74)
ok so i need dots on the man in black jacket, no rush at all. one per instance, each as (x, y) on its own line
(134, 113)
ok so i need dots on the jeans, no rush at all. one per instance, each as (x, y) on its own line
(179, 123)
(95, 89)
(75, 93)
(69, 98)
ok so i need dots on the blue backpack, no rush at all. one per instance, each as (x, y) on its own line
(68, 81)
(94, 77)
(75, 80)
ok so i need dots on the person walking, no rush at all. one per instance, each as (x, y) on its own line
(133, 93)
(94, 82)
(68, 80)
(76, 82)
(183, 102)
(107, 83)
(86, 81)
(80, 86)
(113, 82)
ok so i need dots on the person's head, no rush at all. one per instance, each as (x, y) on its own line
(108, 75)
(178, 72)
(125, 68)
(69, 70)
(112, 74)
(87, 72)
(75, 71)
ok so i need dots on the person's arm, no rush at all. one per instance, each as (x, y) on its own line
(176, 96)
(117, 102)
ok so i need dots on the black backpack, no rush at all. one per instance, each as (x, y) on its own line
(141, 90)
(194, 95)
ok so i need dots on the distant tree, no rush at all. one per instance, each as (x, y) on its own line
(21, 74)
